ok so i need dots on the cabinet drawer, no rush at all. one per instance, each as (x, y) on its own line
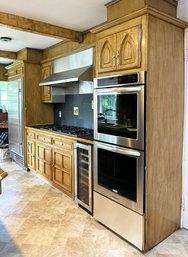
(62, 143)
(31, 134)
(44, 139)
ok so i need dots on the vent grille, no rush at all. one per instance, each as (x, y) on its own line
(17, 158)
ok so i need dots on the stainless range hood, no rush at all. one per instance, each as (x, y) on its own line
(64, 77)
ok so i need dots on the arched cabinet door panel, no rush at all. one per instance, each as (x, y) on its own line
(46, 71)
(129, 48)
(106, 52)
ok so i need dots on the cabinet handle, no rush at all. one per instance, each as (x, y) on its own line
(113, 56)
(117, 57)
(114, 59)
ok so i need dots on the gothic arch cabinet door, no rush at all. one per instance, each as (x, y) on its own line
(128, 53)
(120, 51)
(106, 51)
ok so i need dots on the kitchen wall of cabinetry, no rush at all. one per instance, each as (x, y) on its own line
(158, 51)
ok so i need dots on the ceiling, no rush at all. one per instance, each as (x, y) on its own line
(79, 15)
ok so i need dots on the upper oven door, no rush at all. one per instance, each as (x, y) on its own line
(119, 116)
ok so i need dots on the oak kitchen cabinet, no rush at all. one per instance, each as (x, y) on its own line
(161, 54)
(44, 155)
(51, 156)
(31, 150)
(119, 51)
(121, 47)
(62, 163)
(46, 71)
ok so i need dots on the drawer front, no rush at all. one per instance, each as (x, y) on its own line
(62, 143)
(44, 139)
(31, 134)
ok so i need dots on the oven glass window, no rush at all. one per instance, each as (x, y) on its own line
(117, 115)
(118, 173)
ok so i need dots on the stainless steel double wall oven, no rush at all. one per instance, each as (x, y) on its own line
(119, 139)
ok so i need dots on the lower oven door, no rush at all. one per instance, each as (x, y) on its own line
(119, 175)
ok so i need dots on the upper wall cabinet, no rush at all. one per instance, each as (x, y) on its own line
(46, 70)
(120, 51)
(121, 47)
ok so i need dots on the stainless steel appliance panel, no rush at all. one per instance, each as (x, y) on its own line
(119, 116)
(15, 116)
(136, 78)
(126, 223)
(119, 175)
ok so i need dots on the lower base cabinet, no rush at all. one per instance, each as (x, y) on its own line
(62, 169)
(50, 157)
(44, 160)
(31, 154)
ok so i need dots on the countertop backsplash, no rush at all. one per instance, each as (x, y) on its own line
(85, 112)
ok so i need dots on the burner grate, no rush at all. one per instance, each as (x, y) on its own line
(70, 130)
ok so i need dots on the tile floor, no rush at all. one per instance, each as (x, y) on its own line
(37, 220)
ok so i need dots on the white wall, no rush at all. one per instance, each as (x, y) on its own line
(185, 145)
(182, 13)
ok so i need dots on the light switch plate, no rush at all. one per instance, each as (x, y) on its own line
(76, 111)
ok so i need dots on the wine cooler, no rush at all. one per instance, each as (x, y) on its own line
(83, 175)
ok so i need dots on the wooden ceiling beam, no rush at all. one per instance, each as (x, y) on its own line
(38, 27)
(8, 54)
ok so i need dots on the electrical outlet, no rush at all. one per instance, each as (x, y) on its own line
(76, 111)
(59, 114)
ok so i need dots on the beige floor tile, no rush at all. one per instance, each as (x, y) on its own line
(38, 220)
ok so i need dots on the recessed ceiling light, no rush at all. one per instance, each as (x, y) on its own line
(5, 39)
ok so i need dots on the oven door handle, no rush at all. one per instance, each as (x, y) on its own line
(118, 90)
(119, 150)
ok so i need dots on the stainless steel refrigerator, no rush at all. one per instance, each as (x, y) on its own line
(15, 120)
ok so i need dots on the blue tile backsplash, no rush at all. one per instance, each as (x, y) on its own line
(85, 117)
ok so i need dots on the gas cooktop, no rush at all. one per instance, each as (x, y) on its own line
(70, 130)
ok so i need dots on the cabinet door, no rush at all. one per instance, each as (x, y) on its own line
(46, 94)
(46, 71)
(129, 48)
(106, 54)
(44, 160)
(31, 154)
(62, 170)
